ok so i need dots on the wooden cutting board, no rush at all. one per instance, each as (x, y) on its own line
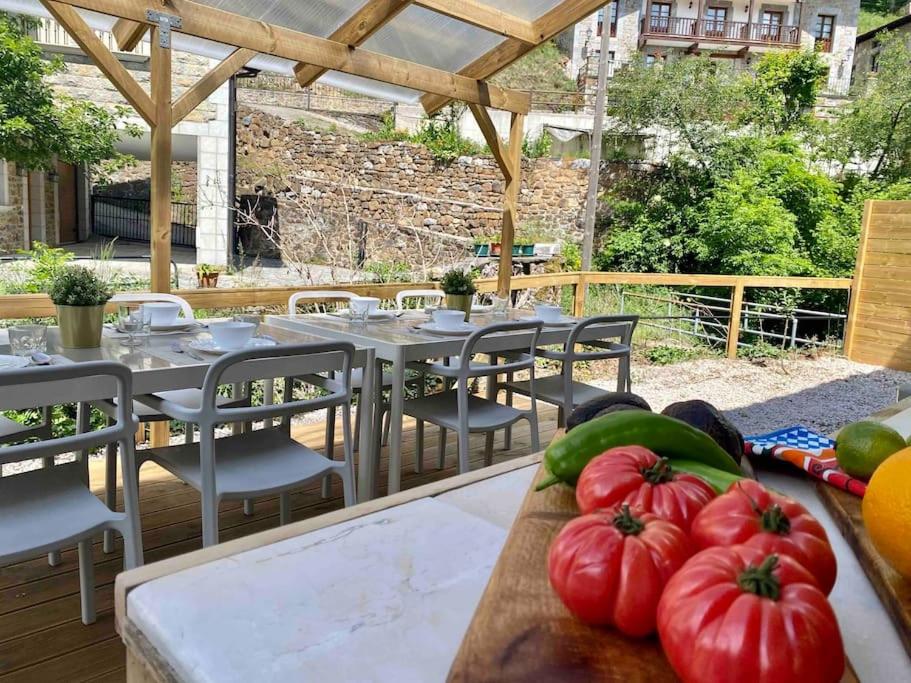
(893, 590)
(522, 632)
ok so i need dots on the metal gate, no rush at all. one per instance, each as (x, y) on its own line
(130, 219)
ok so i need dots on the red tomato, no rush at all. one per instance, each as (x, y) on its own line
(749, 513)
(635, 475)
(609, 568)
(740, 614)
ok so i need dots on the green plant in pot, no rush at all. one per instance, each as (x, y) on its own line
(481, 245)
(459, 288)
(207, 275)
(80, 296)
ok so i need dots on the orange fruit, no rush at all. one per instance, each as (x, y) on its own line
(887, 511)
(862, 446)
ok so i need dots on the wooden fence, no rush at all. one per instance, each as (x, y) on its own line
(879, 318)
(39, 305)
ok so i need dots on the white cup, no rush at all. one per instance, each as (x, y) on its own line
(548, 313)
(162, 312)
(231, 335)
(362, 306)
(447, 319)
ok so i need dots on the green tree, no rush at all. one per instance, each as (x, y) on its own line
(35, 124)
(783, 90)
(875, 129)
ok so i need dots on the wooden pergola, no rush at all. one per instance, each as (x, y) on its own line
(341, 51)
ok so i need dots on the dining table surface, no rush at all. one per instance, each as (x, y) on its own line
(400, 338)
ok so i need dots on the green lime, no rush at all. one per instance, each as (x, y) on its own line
(861, 447)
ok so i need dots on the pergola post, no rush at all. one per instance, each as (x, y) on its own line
(511, 203)
(160, 194)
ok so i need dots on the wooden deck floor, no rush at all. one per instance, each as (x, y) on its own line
(41, 636)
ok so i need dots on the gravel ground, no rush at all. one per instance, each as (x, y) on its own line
(822, 393)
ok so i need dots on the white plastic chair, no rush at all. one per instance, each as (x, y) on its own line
(47, 509)
(317, 296)
(562, 390)
(186, 310)
(265, 461)
(426, 297)
(189, 398)
(464, 412)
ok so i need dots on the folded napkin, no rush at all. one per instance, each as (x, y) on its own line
(804, 448)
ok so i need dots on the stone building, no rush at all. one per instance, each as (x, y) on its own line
(723, 29)
(56, 207)
(866, 52)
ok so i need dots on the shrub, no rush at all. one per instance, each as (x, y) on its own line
(78, 286)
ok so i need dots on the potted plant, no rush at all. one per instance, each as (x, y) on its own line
(207, 275)
(495, 248)
(459, 288)
(80, 296)
(481, 246)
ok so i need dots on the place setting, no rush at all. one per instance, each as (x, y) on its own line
(551, 315)
(28, 348)
(363, 309)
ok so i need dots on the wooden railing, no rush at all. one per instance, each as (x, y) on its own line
(20, 306)
(727, 31)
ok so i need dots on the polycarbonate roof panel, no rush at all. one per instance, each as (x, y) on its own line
(416, 34)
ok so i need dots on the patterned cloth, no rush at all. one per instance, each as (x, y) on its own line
(809, 451)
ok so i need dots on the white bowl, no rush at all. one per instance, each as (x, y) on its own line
(548, 313)
(361, 304)
(162, 312)
(447, 319)
(231, 335)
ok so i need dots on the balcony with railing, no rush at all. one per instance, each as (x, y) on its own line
(745, 33)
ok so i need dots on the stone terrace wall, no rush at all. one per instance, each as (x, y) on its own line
(396, 185)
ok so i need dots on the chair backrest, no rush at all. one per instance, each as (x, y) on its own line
(317, 296)
(593, 332)
(434, 296)
(323, 364)
(186, 310)
(518, 359)
(76, 383)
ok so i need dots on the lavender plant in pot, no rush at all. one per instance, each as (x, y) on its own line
(80, 296)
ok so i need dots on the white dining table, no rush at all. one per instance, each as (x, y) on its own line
(166, 361)
(398, 341)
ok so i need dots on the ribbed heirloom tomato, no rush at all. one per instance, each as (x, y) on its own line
(740, 614)
(751, 514)
(610, 567)
(636, 476)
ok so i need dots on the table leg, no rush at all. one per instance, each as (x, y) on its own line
(366, 474)
(396, 413)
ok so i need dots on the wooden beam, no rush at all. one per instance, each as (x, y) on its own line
(364, 23)
(508, 51)
(160, 192)
(484, 16)
(106, 62)
(192, 97)
(499, 151)
(734, 320)
(511, 204)
(128, 33)
(203, 21)
(854, 300)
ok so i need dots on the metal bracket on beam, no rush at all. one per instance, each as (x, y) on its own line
(165, 23)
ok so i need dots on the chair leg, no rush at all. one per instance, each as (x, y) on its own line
(507, 433)
(131, 531)
(330, 448)
(110, 488)
(53, 557)
(464, 450)
(284, 507)
(441, 453)
(188, 433)
(348, 484)
(533, 428)
(561, 417)
(86, 582)
(419, 434)
(248, 507)
(356, 444)
(488, 449)
(387, 422)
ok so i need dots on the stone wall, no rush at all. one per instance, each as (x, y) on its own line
(135, 182)
(279, 91)
(336, 184)
(12, 224)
